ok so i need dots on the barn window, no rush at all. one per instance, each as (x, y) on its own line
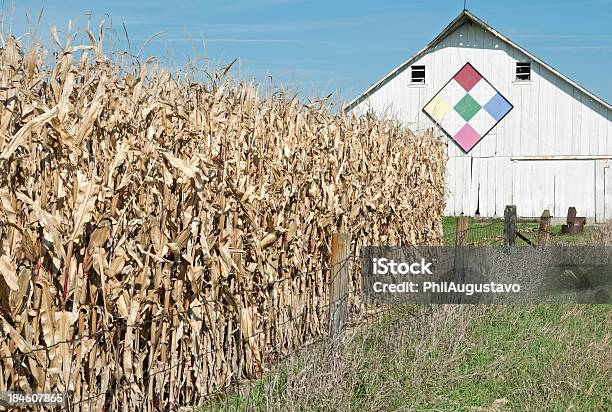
(418, 74)
(523, 71)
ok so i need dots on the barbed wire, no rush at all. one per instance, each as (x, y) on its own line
(473, 234)
(114, 329)
(204, 354)
(197, 361)
(201, 356)
(171, 315)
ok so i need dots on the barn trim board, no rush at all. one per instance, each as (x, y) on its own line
(552, 150)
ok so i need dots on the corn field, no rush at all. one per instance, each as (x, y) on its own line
(163, 238)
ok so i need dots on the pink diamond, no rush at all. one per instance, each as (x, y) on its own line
(467, 77)
(467, 137)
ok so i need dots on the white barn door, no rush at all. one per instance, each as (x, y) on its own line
(603, 194)
(555, 185)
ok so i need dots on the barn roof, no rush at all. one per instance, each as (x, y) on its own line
(464, 17)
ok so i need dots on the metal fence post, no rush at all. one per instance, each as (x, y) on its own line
(509, 225)
(338, 290)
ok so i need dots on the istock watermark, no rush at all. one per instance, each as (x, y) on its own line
(383, 266)
(491, 275)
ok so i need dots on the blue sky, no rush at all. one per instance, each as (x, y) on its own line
(339, 47)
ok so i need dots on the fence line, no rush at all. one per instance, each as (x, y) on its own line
(116, 330)
(502, 232)
(365, 327)
(200, 356)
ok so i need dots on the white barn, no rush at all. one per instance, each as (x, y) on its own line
(551, 150)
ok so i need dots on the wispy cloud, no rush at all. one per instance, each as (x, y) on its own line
(295, 25)
(582, 47)
(566, 36)
(228, 40)
(533, 5)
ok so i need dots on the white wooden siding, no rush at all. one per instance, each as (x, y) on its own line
(551, 117)
(553, 184)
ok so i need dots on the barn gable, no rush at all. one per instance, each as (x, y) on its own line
(464, 17)
(552, 151)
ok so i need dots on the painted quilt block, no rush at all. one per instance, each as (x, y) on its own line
(467, 107)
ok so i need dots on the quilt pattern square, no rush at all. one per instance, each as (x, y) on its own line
(467, 107)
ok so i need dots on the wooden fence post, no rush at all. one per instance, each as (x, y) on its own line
(462, 230)
(338, 290)
(509, 225)
(544, 231)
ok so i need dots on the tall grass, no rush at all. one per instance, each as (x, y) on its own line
(449, 358)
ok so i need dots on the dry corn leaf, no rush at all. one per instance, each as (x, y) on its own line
(8, 270)
(83, 205)
(20, 136)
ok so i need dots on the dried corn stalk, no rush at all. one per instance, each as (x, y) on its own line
(162, 238)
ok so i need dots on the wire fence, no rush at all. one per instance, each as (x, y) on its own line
(137, 392)
(160, 384)
(394, 334)
(201, 357)
(491, 232)
(480, 234)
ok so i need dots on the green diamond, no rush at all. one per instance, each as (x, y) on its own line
(467, 107)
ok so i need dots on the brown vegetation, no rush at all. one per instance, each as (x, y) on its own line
(161, 238)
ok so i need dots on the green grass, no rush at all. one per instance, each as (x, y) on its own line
(537, 357)
(491, 231)
(461, 358)
(457, 358)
